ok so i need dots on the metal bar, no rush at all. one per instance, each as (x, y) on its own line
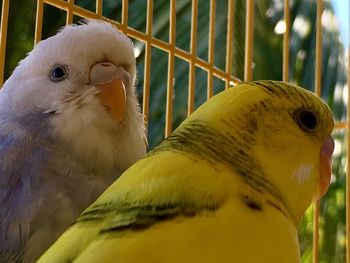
(69, 9)
(249, 29)
(285, 74)
(229, 42)
(316, 208)
(154, 41)
(181, 54)
(147, 69)
(125, 8)
(170, 82)
(211, 47)
(193, 53)
(318, 71)
(318, 60)
(341, 125)
(347, 184)
(99, 7)
(3, 37)
(39, 21)
(77, 10)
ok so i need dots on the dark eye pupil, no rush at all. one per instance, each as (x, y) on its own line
(58, 73)
(308, 119)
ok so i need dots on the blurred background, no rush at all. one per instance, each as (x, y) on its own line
(269, 27)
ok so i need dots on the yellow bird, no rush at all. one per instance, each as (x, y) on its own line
(231, 184)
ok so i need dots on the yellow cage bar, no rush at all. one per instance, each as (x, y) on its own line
(285, 68)
(193, 51)
(72, 9)
(249, 27)
(348, 162)
(147, 75)
(318, 70)
(211, 47)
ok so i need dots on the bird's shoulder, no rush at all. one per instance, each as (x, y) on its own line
(155, 190)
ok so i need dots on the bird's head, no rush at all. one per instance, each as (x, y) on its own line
(274, 135)
(82, 79)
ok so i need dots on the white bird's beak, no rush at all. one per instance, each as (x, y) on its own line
(110, 81)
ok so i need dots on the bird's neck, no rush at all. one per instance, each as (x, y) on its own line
(98, 144)
(293, 178)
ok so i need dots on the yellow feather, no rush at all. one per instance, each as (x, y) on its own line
(230, 185)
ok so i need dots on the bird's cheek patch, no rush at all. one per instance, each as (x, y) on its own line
(303, 173)
(113, 97)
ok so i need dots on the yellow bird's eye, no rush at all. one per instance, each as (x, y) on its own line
(306, 120)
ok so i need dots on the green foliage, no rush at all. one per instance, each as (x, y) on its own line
(20, 34)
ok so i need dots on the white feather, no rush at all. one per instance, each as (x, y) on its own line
(80, 125)
(303, 173)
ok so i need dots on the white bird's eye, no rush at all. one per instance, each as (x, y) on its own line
(58, 73)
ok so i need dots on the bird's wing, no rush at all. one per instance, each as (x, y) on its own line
(132, 204)
(28, 157)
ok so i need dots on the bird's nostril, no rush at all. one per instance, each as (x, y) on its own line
(102, 72)
(105, 64)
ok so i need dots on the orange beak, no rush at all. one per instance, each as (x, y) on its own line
(110, 79)
(113, 97)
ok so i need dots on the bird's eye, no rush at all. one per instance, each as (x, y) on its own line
(58, 73)
(306, 120)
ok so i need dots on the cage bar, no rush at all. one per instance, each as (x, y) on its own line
(125, 13)
(39, 21)
(347, 185)
(193, 52)
(318, 72)
(76, 10)
(3, 37)
(229, 42)
(316, 236)
(211, 47)
(285, 74)
(318, 61)
(340, 125)
(157, 43)
(147, 69)
(248, 55)
(70, 6)
(150, 41)
(171, 58)
(99, 7)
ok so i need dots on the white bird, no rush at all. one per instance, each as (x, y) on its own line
(70, 124)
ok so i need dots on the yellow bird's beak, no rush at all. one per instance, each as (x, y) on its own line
(110, 83)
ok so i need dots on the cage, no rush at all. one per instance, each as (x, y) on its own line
(188, 51)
